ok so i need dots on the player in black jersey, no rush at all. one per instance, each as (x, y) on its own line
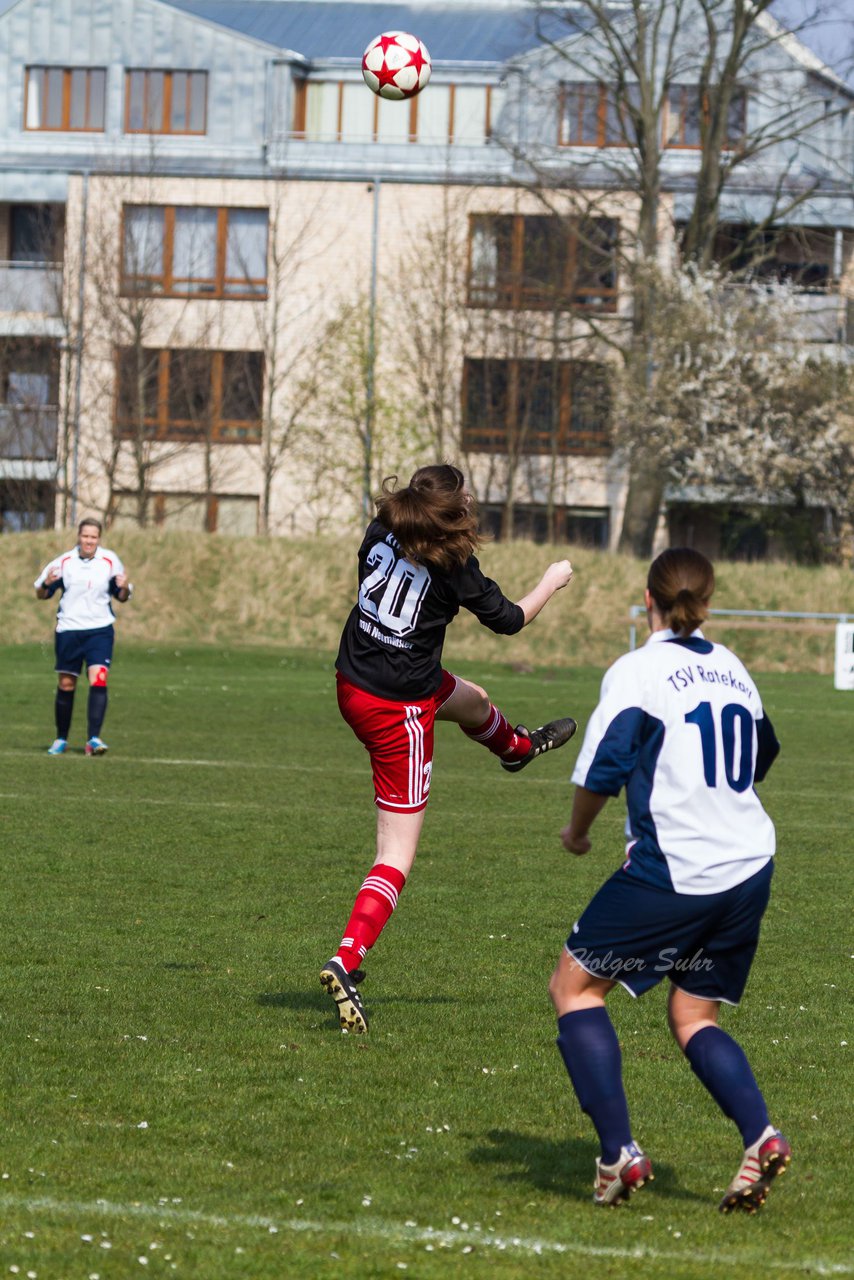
(416, 569)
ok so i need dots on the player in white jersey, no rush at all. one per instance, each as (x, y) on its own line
(89, 577)
(680, 725)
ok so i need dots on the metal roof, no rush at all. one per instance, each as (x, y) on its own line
(454, 32)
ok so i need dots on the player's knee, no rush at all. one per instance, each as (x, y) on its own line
(67, 683)
(98, 677)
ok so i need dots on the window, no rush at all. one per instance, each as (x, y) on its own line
(595, 115)
(581, 526)
(189, 395)
(536, 262)
(66, 99)
(534, 406)
(226, 513)
(195, 251)
(166, 101)
(333, 111)
(803, 255)
(687, 113)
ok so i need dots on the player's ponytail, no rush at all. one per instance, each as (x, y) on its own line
(681, 581)
(433, 517)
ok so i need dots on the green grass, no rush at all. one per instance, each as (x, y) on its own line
(173, 1076)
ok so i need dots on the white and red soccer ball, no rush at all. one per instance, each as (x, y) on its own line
(396, 65)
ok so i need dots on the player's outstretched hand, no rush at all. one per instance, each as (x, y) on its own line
(558, 574)
(575, 844)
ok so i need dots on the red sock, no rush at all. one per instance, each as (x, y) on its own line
(371, 912)
(498, 736)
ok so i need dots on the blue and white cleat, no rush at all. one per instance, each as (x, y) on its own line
(57, 747)
(95, 747)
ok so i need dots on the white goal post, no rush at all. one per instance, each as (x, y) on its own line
(844, 663)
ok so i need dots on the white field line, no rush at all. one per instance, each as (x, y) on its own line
(274, 765)
(127, 802)
(400, 1234)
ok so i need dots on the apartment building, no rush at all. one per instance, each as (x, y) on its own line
(194, 192)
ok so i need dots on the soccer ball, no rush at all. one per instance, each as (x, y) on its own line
(396, 65)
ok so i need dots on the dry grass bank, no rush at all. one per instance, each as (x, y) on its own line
(202, 589)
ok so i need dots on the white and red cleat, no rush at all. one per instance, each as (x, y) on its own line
(764, 1160)
(616, 1182)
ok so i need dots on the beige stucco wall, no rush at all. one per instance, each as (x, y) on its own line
(319, 256)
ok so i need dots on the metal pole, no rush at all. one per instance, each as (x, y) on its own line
(370, 403)
(78, 371)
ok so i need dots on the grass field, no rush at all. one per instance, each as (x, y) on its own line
(177, 1098)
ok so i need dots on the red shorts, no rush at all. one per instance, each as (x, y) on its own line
(399, 739)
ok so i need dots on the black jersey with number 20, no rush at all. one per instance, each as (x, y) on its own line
(392, 641)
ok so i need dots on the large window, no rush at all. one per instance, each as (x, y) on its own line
(341, 111)
(581, 526)
(687, 113)
(166, 101)
(195, 251)
(534, 261)
(535, 406)
(226, 513)
(597, 115)
(189, 395)
(594, 115)
(810, 257)
(68, 99)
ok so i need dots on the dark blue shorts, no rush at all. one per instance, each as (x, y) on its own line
(636, 934)
(76, 649)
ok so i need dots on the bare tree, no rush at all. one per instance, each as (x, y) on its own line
(739, 410)
(638, 84)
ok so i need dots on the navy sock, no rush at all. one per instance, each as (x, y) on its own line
(96, 709)
(62, 708)
(591, 1051)
(719, 1062)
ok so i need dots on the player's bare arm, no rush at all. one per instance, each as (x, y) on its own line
(557, 576)
(586, 807)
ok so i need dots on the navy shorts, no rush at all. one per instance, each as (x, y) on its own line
(636, 934)
(76, 649)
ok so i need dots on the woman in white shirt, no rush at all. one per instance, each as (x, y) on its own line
(680, 725)
(89, 577)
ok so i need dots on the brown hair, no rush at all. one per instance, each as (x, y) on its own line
(433, 517)
(90, 520)
(681, 581)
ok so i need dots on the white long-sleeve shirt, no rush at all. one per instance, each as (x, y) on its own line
(87, 586)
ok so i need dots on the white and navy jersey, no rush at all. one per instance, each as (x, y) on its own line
(392, 641)
(86, 587)
(680, 725)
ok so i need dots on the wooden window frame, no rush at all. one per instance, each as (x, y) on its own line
(256, 290)
(730, 144)
(165, 428)
(301, 110)
(66, 126)
(598, 90)
(500, 441)
(168, 74)
(512, 295)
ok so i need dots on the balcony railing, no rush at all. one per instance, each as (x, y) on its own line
(28, 433)
(31, 287)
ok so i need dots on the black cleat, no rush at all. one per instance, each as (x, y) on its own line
(341, 985)
(547, 738)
